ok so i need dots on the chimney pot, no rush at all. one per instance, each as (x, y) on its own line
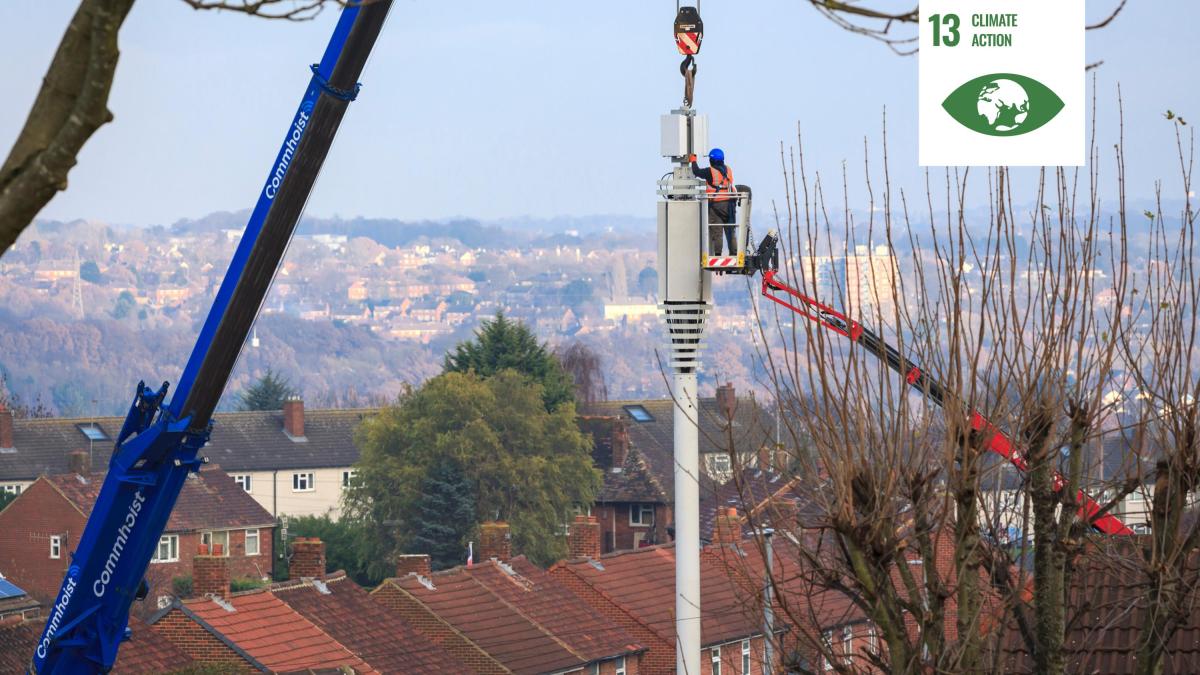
(210, 574)
(80, 462)
(413, 563)
(293, 417)
(727, 529)
(495, 541)
(308, 558)
(6, 428)
(583, 538)
(726, 399)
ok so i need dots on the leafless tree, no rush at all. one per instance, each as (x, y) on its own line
(1030, 319)
(586, 369)
(73, 102)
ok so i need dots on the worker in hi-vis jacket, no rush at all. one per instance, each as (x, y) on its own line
(721, 200)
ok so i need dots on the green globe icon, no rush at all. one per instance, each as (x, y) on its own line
(1004, 104)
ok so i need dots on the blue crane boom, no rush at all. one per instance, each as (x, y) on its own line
(158, 445)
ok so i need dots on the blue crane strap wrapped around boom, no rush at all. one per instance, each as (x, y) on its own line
(158, 445)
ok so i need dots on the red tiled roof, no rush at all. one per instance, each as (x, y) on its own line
(274, 634)
(145, 652)
(642, 583)
(525, 620)
(368, 629)
(209, 500)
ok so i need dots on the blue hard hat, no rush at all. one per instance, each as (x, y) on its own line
(717, 154)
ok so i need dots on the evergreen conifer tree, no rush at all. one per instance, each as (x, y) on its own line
(501, 344)
(445, 515)
(269, 393)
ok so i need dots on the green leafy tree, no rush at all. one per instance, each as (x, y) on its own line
(268, 393)
(124, 305)
(89, 271)
(524, 464)
(445, 514)
(502, 344)
(5, 498)
(344, 544)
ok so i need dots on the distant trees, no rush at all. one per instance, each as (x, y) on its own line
(124, 304)
(503, 344)
(89, 271)
(344, 545)
(524, 463)
(647, 282)
(268, 393)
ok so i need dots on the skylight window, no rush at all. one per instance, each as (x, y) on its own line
(93, 432)
(639, 413)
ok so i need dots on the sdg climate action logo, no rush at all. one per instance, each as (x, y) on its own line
(1003, 104)
(1001, 83)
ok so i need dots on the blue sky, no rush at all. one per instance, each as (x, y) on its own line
(496, 110)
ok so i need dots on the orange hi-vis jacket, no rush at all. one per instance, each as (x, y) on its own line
(720, 184)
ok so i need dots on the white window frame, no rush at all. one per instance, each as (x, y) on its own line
(244, 480)
(347, 476)
(872, 639)
(746, 657)
(55, 546)
(847, 642)
(309, 481)
(164, 601)
(13, 488)
(253, 534)
(641, 509)
(620, 666)
(715, 653)
(722, 463)
(826, 664)
(172, 543)
(210, 537)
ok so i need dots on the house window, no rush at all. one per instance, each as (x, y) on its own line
(55, 547)
(243, 480)
(641, 514)
(716, 660)
(746, 657)
(12, 489)
(639, 413)
(872, 642)
(620, 666)
(168, 549)
(827, 638)
(215, 539)
(348, 476)
(302, 482)
(721, 463)
(251, 542)
(847, 643)
(595, 669)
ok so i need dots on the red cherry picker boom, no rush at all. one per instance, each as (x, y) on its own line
(766, 261)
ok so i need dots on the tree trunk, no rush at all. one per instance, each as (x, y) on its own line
(71, 105)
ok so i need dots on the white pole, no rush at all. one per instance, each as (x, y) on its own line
(687, 526)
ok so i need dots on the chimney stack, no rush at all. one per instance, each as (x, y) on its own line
(308, 558)
(293, 417)
(620, 442)
(210, 573)
(726, 399)
(80, 462)
(727, 528)
(495, 541)
(583, 539)
(418, 563)
(6, 428)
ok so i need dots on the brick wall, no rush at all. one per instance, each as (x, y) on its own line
(308, 558)
(438, 631)
(160, 576)
(418, 563)
(614, 517)
(495, 541)
(198, 643)
(25, 530)
(659, 657)
(583, 540)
